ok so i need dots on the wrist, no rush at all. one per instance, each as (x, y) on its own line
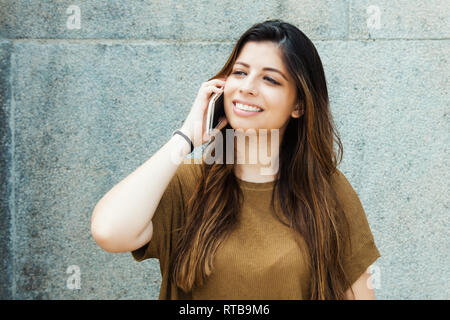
(187, 132)
(182, 147)
(183, 139)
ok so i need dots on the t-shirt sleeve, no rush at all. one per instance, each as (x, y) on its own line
(363, 251)
(168, 217)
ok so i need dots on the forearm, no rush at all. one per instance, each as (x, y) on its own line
(126, 210)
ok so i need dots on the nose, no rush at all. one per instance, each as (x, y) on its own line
(248, 86)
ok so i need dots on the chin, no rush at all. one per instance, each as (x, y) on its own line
(245, 127)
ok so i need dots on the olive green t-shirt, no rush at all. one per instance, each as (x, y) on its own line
(262, 259)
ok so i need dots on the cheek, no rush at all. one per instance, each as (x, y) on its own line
(228, 105)
(228, 95)
(232, 85)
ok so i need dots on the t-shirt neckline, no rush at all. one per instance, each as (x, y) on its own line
(256, 185)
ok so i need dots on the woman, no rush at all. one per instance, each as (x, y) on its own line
(230, 230)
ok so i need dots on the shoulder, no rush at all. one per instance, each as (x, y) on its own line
(340, 181)
(342, 185)
(346, 194)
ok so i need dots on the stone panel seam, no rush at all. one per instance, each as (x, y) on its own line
(348, 19)
(12, 177)
(145, 42)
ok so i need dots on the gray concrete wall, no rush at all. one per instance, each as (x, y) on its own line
(81, 108)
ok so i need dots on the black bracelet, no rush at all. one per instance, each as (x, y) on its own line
(186, 137)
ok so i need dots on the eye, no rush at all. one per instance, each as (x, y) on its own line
(268, 78)
(271, 80)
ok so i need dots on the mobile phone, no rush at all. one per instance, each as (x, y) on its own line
(215, 112)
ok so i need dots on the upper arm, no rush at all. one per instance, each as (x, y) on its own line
(120, 245)
(167, 220)
(363, 251)
(143, 238)
(362, 288)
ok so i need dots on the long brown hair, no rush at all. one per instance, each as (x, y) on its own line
(303, 186)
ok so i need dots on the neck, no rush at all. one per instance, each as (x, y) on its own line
(256, 157)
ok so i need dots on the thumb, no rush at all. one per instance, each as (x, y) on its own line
(222, 123)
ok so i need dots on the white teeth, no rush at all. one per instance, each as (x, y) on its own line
(247, 108)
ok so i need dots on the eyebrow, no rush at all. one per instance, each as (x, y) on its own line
(266, 68)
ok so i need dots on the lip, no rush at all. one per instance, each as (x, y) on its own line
(244, 113)
(246, 103)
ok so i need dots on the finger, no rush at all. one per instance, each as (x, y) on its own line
(220, 82)
(222, 123)
(212, 89)
(217, 89)
(219, 127)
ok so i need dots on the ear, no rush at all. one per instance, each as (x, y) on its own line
(297, 112)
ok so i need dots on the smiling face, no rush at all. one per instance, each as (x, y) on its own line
(252, 84)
